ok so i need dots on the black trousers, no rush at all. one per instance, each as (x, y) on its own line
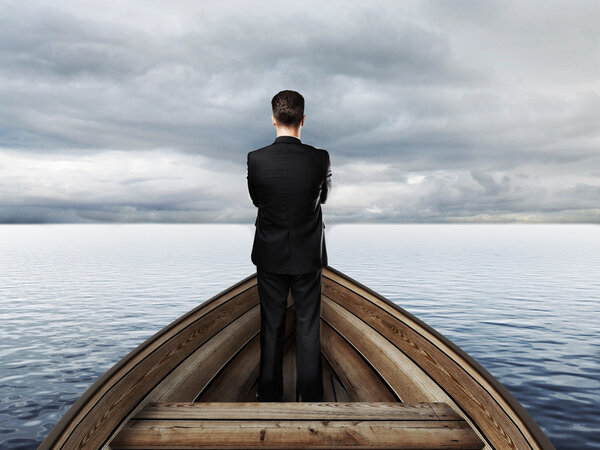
(273, 289)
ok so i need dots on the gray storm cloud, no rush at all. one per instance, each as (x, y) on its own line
(431, 111)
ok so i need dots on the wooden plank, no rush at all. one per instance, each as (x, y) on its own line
(328, 389)
(359, 380)
(87, 422)
(465, 386)
(194, 434)
(193, 375)
(402, 375)
(295, 411)
(140, 379)
(237, 378)
(444, 411)
(341, 394)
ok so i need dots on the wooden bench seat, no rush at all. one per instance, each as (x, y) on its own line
(291, 425)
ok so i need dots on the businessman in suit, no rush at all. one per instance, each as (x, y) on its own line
(288, 181)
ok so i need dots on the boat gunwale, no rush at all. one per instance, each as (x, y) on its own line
(541, 438)
(77, 407)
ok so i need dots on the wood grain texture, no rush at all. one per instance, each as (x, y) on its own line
(194, 374)
(328, 389)
(373, 352)
(87, 421)
(296, 425)
(359, 380)
(476, 398)
(341, 394)
(299, 411)
(237, 378)
(141, 378)
(147, 434)
(402, 375)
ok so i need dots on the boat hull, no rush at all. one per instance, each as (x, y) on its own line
(373, 351)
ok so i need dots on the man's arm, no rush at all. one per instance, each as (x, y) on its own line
(326, 186)
(251, 188)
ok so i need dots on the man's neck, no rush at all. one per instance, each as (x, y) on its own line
(281, 131)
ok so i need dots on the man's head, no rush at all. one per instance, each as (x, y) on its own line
(288, 110)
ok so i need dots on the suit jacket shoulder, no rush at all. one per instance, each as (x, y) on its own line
(253, 152)
(324, 153)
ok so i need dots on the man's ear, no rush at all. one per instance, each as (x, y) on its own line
(273, 120)
(302, 123)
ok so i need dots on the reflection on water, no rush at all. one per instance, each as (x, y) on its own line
(523, 300)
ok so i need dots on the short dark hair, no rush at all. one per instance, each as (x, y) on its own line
(288, 108)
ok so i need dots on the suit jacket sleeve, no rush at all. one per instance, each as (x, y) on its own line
(326, 186)
(251, 188)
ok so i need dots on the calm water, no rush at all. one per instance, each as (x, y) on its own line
(523, 300)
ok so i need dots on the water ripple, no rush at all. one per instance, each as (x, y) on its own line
(523, 300)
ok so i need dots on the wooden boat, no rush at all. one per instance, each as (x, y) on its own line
(391, 381)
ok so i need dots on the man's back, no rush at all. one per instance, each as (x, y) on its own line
(288, 181)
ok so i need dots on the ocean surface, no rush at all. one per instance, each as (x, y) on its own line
(523, 300)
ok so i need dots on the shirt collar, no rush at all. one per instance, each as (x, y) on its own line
(287, 140)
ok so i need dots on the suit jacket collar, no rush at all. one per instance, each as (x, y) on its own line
(287, 140)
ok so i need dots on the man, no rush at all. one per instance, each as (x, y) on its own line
(288, 181)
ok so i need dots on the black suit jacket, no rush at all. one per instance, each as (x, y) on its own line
(288, 181)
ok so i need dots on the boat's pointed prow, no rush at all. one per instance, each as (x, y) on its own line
(373, 352)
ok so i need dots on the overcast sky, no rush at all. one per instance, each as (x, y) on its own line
(432, 111)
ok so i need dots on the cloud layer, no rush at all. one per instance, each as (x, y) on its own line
(431, 111)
